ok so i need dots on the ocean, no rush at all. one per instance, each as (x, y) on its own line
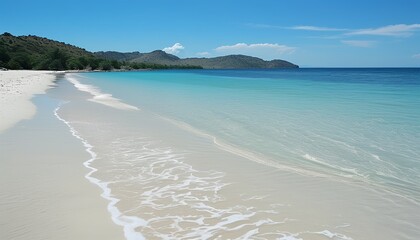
(252, 154)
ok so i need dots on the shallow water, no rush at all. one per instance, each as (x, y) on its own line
(293, 154)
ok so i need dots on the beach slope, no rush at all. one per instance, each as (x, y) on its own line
(45, 194)
(16, 89)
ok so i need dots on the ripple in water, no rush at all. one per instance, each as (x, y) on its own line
(176, 201)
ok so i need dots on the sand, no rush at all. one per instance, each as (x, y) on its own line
(44, 193)
(16, 89)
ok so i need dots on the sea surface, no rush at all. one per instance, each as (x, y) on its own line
(252, 154)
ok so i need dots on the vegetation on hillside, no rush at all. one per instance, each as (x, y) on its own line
(32, 52)
(224, 62)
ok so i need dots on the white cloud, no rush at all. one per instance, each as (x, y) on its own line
(176, 48)
(399, 30)
(416, 56)
(358, 43)
(307, 28)
(263, 50)
(203, 54)
(315, 28)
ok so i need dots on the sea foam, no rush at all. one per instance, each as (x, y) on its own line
(187, 187)
(188, 197)
(130, 223)
(99, 97)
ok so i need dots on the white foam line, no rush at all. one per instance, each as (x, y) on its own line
(99, 97)
(240, 152)
(263, 160)
(332, 235)
(334, 167)
(129, 223)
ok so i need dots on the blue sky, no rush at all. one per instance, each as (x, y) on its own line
(329, 33)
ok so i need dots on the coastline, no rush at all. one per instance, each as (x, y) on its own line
(183, 184)
(45, 193)
(151, 174)
(17, 87)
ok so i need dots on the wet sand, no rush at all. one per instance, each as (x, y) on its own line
(44, 192)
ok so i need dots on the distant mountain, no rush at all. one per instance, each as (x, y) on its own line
(237, 62)
(225, 62)
(119, 56)
(33, 52)
(156, 57)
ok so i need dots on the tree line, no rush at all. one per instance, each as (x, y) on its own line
(57, 59)
(32, 52)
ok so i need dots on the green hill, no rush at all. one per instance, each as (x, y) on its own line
(33, 52)
(224, 62)
(156, 57)
(119, 56)
(237, 62)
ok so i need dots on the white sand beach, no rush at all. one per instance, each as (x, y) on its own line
(16, 89)
(44, 193)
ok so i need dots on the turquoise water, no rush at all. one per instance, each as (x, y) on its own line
(362, 124)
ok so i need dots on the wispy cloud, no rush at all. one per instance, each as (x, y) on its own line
(175, 49)
(358, 43)
(315, 28)
(306, 28)
(264, 50)
(416, 56)
(399, 30)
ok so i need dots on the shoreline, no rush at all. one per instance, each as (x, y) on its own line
(17, 88)
(129, 223)
(46, 193)
(164, 159)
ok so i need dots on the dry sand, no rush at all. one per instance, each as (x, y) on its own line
(16, 89)
(44, 194)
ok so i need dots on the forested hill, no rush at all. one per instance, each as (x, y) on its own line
(223, 62)
(33, 52)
